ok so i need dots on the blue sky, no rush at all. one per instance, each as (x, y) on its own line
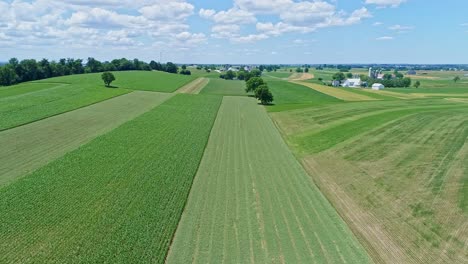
(238, 31)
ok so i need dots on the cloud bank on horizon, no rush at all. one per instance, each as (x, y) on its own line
(199, 31)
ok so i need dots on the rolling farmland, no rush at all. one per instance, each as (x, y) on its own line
(252, 202)
(116, 199)
(395, 170)
(29, 147)
(324, 175)
(134, 80)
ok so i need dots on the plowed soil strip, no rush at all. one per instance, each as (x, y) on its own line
(252, 202)
(194, 87)
(31, 146)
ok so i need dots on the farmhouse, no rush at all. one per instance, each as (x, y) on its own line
(378, 86)
(354, 83)
(411, 72)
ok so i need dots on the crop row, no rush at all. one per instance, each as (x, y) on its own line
(116, 199)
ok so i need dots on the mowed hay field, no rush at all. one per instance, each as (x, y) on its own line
(29, 147)
(289, 96)
(252, 202)
(396, 171)
(117, 199)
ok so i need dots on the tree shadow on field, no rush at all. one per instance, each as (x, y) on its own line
(111, 86)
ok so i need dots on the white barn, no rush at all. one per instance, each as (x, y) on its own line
(377, 86)
(354, 83)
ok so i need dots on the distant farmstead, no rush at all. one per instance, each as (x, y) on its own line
(353, 83)
(377, 86)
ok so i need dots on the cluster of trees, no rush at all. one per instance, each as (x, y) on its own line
(269, 68)
(242, 74)
(389, 80)
(16, 71)
(207, 68)
(304, 69)
(396, 79)
(260, 89)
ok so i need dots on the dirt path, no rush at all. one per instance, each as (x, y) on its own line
(194, 87)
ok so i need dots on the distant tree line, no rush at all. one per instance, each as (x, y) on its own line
(16, 71)
(242, 74)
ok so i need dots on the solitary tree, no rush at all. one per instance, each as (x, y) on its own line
(253, 83)
(417, 84)
(263, 94)
(456, 79)
(108, 78)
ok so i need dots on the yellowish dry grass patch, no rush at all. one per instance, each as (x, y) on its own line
(194, 87)
(301, 76)
(337, 93)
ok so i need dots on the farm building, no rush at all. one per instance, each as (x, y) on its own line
(377, 86)
(411, 72)
(335, 83)
(354, 83)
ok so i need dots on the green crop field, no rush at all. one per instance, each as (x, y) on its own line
(117, 199)
(252, 202)
(135, 80)
(394, 169)
(31, 146)
(224, 87)
(18, 108)
(24, 88)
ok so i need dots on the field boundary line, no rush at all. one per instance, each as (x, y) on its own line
(194, 87)
(191, 184)
(30, 122)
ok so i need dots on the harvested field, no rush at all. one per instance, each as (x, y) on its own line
(29, 147)
(194, 87)
(337, 93)
(397, 174)
(252, 202)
